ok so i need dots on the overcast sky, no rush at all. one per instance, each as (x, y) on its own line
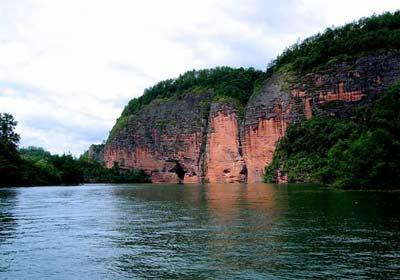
(68, 67)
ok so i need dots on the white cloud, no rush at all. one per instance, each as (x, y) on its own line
(67, 67)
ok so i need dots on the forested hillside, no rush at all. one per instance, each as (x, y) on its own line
(371, 34)
(362, 152)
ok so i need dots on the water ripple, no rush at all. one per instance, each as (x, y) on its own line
(198, 232)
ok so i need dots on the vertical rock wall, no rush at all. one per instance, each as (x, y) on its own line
(267, 116)
(191, 139)
(224, 160)
(287, 98)
(165, 139)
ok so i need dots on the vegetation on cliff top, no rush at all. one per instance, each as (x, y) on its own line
(36, 167)
(237, 84)
(224, 81)
(360, 152)
(378, 32)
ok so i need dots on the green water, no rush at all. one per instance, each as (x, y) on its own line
(253, 231)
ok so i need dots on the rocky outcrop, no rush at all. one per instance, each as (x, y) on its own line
(96, 152)
(165, 139)
(267, 116)
(195, 139)
(332, 91)
(223, 155)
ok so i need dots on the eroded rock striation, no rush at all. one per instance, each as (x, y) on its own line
(165, 139)
(196, 138)
(332, 91)
(223, 155)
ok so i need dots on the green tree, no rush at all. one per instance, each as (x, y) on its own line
(9, 158)
(375, 33)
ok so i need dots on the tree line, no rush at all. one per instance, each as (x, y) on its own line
(378, 32)
(223, 81)
(34, 166)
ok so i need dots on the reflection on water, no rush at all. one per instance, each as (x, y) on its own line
(253, 231)
(7, 220)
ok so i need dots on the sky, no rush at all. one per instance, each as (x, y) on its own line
(68, 67)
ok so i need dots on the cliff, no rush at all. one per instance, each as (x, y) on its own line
(288, 98)
(96, 152)
(197, 138)
(223, 124)
(166, 139)
(223, 155)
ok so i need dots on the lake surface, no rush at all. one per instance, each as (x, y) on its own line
(253, 231)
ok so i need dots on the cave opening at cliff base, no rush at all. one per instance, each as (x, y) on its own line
(180, 172)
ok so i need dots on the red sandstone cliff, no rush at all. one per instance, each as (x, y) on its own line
(194, 139)
(223, 155)
(287, 98)
(165, 139)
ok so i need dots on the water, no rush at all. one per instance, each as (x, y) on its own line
(198, 232)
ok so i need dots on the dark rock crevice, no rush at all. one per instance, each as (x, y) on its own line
(179, 170)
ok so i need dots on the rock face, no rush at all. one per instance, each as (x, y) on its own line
(333, 91)
(267, 116)
(165, 139)
(223, 156)
(96, 152)
(195, 139)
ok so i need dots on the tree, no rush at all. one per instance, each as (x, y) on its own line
(8, 137)
(9, 158)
